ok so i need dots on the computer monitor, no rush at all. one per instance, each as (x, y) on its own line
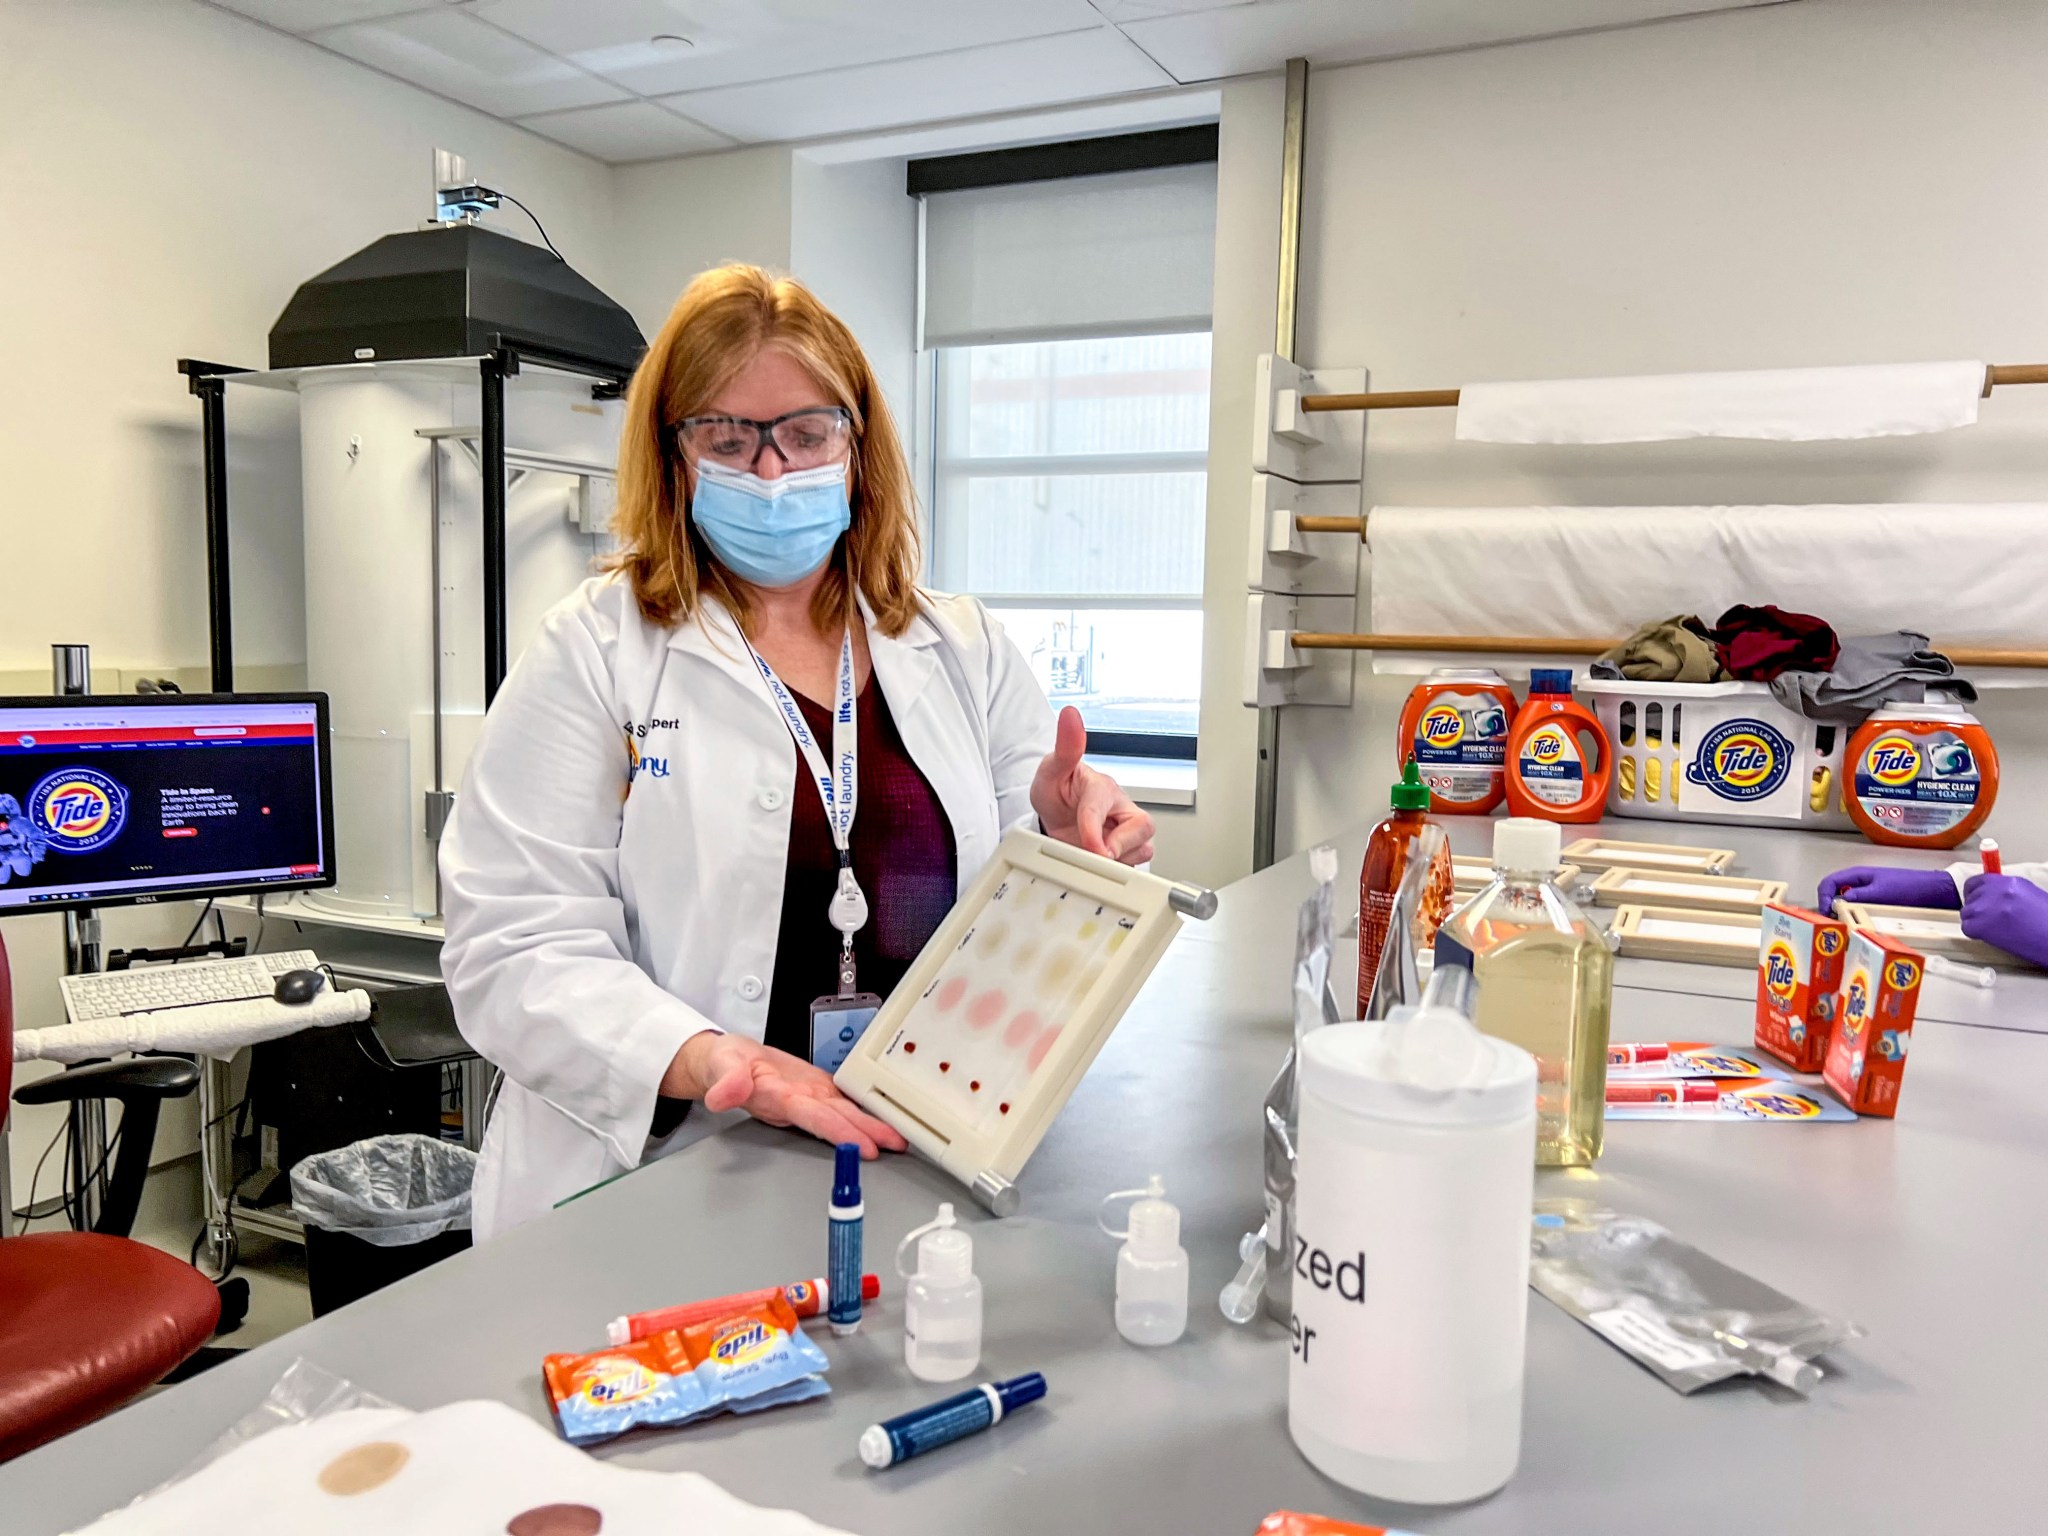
(162, 797)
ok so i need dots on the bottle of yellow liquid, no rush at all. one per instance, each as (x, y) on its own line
(1546, 983)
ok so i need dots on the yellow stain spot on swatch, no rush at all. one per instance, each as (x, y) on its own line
(363, 1467)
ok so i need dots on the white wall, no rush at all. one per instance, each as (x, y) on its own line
(168, 175)
(1831, 181)
(674, 218)
(853, 239)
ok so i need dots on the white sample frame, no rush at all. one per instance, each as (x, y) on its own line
(1683, 933)
(990, 1030)
(1668, 858)
(1930, 930)
(1619, 887)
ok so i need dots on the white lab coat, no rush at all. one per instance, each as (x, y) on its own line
(603, 905)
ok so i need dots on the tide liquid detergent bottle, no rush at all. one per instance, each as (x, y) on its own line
(1559, 761)
(1455, 727)
(1921, 775)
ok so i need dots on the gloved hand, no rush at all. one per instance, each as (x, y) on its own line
(2009, 912)
(1888, 888)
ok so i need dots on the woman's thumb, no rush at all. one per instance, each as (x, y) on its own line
(731, 1089)
(1070, 745)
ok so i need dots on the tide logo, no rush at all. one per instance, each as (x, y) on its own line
(1855, 1004)
(1781, 971)
(1545, 747)
(1893, 760)
(1830, 941)
(79, 809)
(1742, 760)
(1902, 974)
(616, 1380)
(1441, 726)
(1777, 1106)
(748, 1341)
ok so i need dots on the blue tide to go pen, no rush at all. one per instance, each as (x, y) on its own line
(842, 1254)
(949, 1419)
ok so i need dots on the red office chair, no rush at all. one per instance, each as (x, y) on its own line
(89, 1319)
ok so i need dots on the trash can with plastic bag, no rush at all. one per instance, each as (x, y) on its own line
(378, 1210)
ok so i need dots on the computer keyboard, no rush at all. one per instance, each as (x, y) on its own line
(115, 994)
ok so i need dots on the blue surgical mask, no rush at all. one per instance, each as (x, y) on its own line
(771, 532)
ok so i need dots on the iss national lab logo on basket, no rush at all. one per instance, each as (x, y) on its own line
(1742, 760)
(79, 809)
(1781, 971)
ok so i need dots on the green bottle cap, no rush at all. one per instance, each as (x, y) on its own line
(1411, 794)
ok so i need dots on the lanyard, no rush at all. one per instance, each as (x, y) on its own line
(838, 787)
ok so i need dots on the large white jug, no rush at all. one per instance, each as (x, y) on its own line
(1411, 1251)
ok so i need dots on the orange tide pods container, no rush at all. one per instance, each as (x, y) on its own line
(1920, 775)
(1455, 727)
(1559, 760)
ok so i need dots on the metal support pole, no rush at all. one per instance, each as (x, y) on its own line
(1266, 780)
(494, 369)
(71, 677)
(220, 612)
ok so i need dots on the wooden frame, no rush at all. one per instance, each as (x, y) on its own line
(1685, 933)
(976, 1051)
(1667, 858)
(1930, 930)
(1621, 887)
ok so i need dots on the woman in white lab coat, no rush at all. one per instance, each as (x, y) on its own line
(654, 868)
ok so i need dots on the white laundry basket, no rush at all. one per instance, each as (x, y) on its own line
(1720, 752)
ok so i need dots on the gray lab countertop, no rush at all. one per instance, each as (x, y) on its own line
(1929, 1230)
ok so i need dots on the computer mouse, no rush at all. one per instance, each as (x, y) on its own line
(298, 987)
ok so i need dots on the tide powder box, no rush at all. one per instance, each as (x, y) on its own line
(1867, 1058)
(1798, 984)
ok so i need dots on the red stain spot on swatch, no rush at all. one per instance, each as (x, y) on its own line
(1044, 1044)
(945, 1066)
(1021, 1029)
(910, 1047)
(975, 1086)
(1003, 1108)
(986, 1009)
(951, 993)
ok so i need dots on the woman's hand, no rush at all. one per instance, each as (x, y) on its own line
(1079, 805)
(1887, 887)
(733, 1072)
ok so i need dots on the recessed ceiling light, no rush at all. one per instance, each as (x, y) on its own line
(672, 40)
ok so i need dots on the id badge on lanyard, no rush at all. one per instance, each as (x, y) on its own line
(837, 1021)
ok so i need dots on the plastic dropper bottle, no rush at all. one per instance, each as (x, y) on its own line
(1151, 1267)
(1546, 983)
(942, 1302)
(1386, 861)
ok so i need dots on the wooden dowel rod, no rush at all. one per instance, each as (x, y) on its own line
(1545, 645)
(1384, 400)
(1306, 524)
(1415, 399)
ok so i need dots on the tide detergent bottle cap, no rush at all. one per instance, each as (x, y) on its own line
(1410, 793)
(1550, 679)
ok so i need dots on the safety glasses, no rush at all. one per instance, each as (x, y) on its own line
(803, 439)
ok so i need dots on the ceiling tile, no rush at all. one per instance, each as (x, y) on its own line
(1145, 10)
(626, 130)
(456, 55)
(1004, 77)
(1244, 39)
(738, 41)
(311, 15)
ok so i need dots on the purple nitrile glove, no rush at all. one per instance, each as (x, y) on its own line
(2009, 912)
(1888, 888)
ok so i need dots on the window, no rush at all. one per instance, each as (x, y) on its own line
(1069, 494)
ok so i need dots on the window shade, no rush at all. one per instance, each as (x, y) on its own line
(1117, 255)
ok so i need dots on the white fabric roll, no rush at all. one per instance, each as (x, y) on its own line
(209, 1029)
(1965, 574)
(1782, 404)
